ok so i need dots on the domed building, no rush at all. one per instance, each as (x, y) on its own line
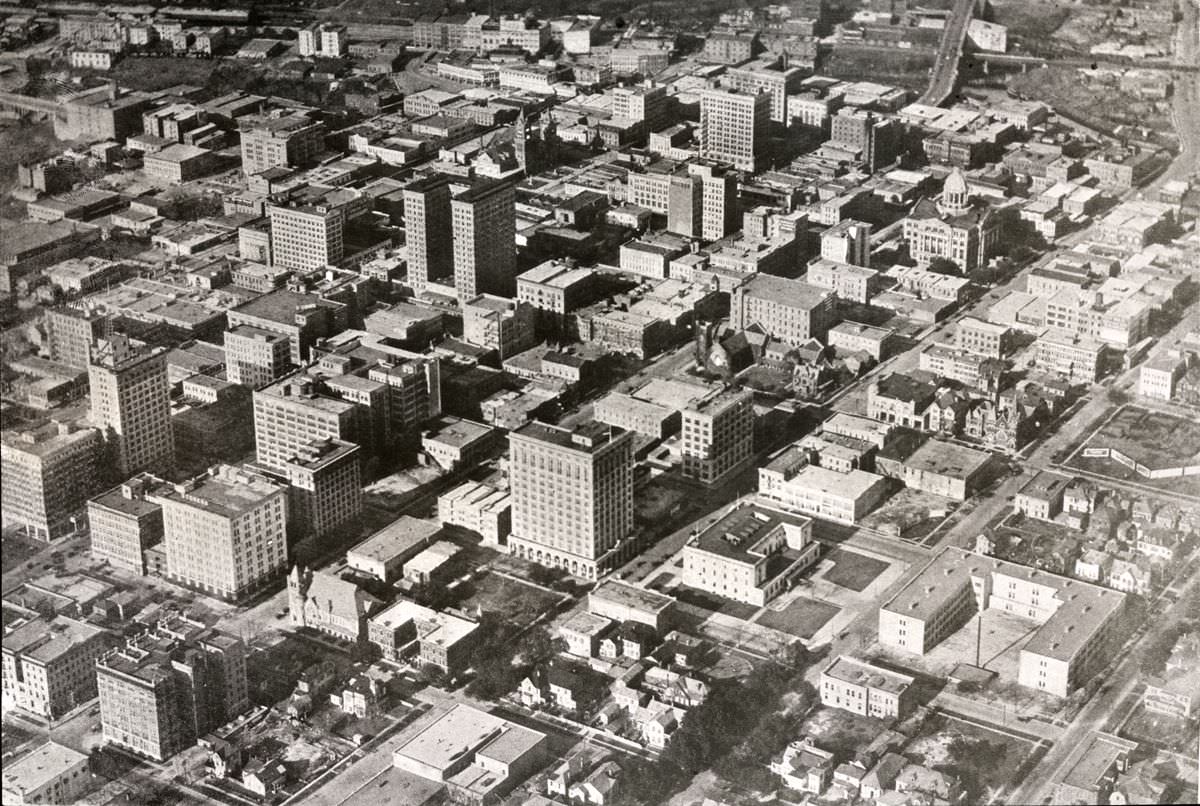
(956, 227)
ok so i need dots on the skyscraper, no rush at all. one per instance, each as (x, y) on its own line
(428, 231)
(484, 220)
(280, 142)
(324, 487)
(71, 333)
(48, 472)
(572, 496)
(733, 127)
(702, 202)
(717, 436)
(131, 403)
(306, 234)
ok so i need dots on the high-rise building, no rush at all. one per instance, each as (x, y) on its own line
(572, 496)
(733, 127)
(789, 310)
(324, 487)
(484, 220)
(717, 436)
(224, 533)
(169, 686)
(848, 241)
(131, 403)
(306, 234)
(702, 201)
(71, 333)
(294, 412)
(255, 357)
(644, 103)
(48, 473)
(427, 231)
(878, 140)
(770, 74)
(123, 523)
(286, 142)
(50, 664)
(301, 317)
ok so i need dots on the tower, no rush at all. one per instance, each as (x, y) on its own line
(483, 222)
(131, 402)
(427, 227)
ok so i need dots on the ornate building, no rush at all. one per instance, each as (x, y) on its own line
(958, 228)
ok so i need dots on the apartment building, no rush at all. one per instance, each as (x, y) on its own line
(733, 127)
(255, 357)
(123, 522)
(572, 496)
(225, 533)
(51, 773)
(167, 687)
(48, 473)
(284, 142)
(324, 480)
(49, 664)
(1076, 621)
(717, 436)
(751, 554)
(788, 310)
(866, 689)
(483, 228)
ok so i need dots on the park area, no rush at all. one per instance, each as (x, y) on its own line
(853, 570)
(802, 618)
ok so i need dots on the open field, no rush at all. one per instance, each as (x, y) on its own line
(1169, 733)
(852, 570)
(516, 602)
(802, 618)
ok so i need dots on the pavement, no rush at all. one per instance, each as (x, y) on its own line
(945, 65)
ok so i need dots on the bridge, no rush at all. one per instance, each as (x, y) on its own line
(26, 103)
(945, 66)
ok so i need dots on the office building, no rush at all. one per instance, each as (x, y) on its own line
(48, 473)
(51, 773)
(286, 142)
(427, 230)
(225, 533)
(717, 436)
(702, 201)
(770, 75)
(642, 103)
(750, 554)
(733, 127)
(876, 141)
(483, 224)
(500, 324)
(866, 689)
(307, 230)
(572, 496)
(131, 404)
(848, 241)
(848, 281)
(983, 338)
(72, 332)
(788, 310)
(324, 487)
(49, 664)
(295, 412)
(124, 522)
(301, 317)
(1076, 622)
(255, 357)
(167, 687)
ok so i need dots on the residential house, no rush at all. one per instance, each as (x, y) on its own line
(1131, 576)
(804, 767)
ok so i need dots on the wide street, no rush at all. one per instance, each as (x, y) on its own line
(945, 66)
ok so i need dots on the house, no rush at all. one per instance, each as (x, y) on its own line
(637, 639)
(1130, 576)
(1176, 692)
(600, 786)
(361, 696)
(570, 689)
(583, 633)
(1080, 496)
(1042, 497)
(804, 767)
(657, 723)
(882, 777)
(847, 779)
(921, 780)
(1093, 565)
(674, 688)
(264, 778)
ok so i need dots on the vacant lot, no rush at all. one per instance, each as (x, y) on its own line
(518, 603)
(1162, 731)
(802, 618)
(985, 760)
(1152, 439)
(852, 570)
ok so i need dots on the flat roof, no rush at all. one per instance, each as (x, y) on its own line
(40, 767)
(1092, 759)
(1045, 484)
(459, 732)
(228, 492)
(585, 438)
(478, 494)
(948, 459)
(859, 329)
(456, 431)
(739, 532)
(631, 596)
(399, 536)
(861, 673)
(793, 293)
(850, 485)
(45, 641)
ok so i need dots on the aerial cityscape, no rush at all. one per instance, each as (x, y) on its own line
(409, 403)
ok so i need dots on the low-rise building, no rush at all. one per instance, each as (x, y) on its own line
(51, 773)
(452, 442)
(479, 507)
(947, 469)
(848, 281)
(49, 664)
(792, 482)
(866, 689)
(383, 554)
(124, 522)
(621, 601)
(1041, 498)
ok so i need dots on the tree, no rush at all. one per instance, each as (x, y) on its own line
(941, 265)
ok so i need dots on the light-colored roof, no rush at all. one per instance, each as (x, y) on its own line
(39, 768)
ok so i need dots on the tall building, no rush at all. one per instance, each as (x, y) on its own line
(48, 473)
(702, 202)
(770, 74)
(167, 687)
(644, 103)
(877, 140)
(50, 664)
(131, 403)
(71, 333)
(427, 231)
(956, 228)
(789, 310)
(224, 533)
(124, 522)
(733, 127)
(324, 487)
(307, 231)
(255, 357)
(572, 496)
(301, 317)
(717, 436)
(849, 242)
(484, 220)
(294, 412)
(285, 142)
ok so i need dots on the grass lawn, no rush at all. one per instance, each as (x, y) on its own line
(1163, 731)
(802, 618)
(717, 604)
(516, 602)
(852, 570)
(840, 731)
(272, 672)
